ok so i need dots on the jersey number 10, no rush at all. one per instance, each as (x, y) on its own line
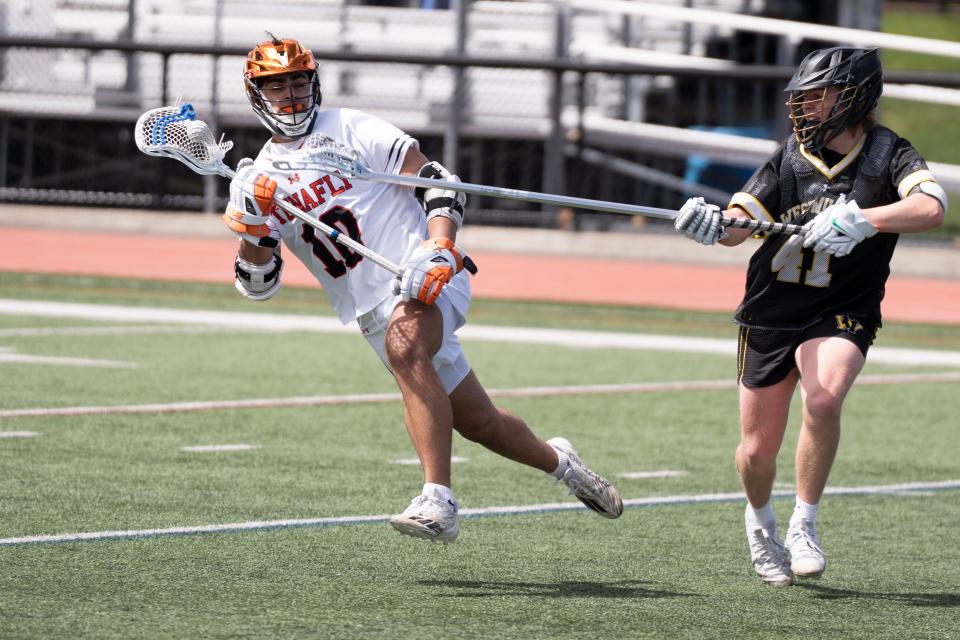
(343, 220)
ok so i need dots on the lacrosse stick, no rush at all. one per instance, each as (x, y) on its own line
(174, 132)
(325, 154)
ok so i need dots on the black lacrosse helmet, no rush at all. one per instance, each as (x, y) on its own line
(858, 74)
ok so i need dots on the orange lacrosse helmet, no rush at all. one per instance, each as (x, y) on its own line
(293, 114)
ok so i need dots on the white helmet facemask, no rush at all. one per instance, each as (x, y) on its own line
(290, 113)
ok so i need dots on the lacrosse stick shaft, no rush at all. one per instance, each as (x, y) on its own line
(551, 199)
(778, 228)
(330, 232)
(578, 203)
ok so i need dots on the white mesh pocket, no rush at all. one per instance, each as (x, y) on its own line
(174, 131)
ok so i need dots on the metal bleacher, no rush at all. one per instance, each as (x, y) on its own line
(514, 123)
(500, 102)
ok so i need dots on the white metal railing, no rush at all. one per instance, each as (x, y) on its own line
(672, 141)
(611, 133)
(633, 55)
(794, 31)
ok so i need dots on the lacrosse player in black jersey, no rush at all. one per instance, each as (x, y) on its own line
(812, 303)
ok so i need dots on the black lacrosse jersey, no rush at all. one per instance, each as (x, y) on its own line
(789, 287)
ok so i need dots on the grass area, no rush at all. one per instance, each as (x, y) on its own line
(925, 24)
(676, 571)
(649, 575)
(310, 301)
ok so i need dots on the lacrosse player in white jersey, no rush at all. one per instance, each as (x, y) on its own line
(411, 330)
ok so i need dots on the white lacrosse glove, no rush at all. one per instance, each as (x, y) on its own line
(438, 201)
(432, 265)
(838, 229)
(251, 200)
(699, 221)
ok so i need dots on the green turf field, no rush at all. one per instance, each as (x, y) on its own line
(661, 571)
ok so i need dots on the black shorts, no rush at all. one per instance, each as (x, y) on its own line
(766, 356)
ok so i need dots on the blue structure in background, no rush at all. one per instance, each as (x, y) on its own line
(729, 177)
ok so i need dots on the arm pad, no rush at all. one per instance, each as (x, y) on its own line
(258, 281)
(934, 190)
(438, 201)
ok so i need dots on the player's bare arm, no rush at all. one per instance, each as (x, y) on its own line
(253, 253)
(842, 226)
(438, 226)
(916, 213)
(736, 236)
(438, 259)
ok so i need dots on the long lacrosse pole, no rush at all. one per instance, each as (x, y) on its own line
(362, 172)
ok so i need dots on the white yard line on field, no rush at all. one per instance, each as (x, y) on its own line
(44, 332)
(643, 475)
(22, 358)
(208, 448)
(416, 461)
(368, 398)
(18, 434)
(526, 335)
(911, 489)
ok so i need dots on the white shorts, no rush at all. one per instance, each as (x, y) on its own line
(449, 361)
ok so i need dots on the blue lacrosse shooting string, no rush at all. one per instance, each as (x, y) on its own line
(160, 127)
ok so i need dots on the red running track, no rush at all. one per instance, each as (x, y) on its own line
(503, 276)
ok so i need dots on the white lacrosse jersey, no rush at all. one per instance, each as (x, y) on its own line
(384, 217)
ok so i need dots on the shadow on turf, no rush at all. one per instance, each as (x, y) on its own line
(486, 589)
(914, 599)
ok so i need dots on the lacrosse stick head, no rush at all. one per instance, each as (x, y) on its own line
(323, 153)
(175, 132)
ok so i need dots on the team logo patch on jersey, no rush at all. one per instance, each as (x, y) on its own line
(848, 324)
(812, 206)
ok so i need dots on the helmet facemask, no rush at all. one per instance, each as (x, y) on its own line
(290, 107)
(283, 86)
(813, 125)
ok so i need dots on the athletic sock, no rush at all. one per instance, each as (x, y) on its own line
(562, 465)
(762, 518)
(437, 491)
(804, 511)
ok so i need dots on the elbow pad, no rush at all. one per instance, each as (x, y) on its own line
(934, 190)
(258, 281)
(440, 201)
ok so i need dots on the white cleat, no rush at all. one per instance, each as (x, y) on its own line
(429, 518)
(770, 558)
(589, 488)
(807, 559)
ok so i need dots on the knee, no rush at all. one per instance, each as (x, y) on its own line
(754, 452)
(823, 405)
